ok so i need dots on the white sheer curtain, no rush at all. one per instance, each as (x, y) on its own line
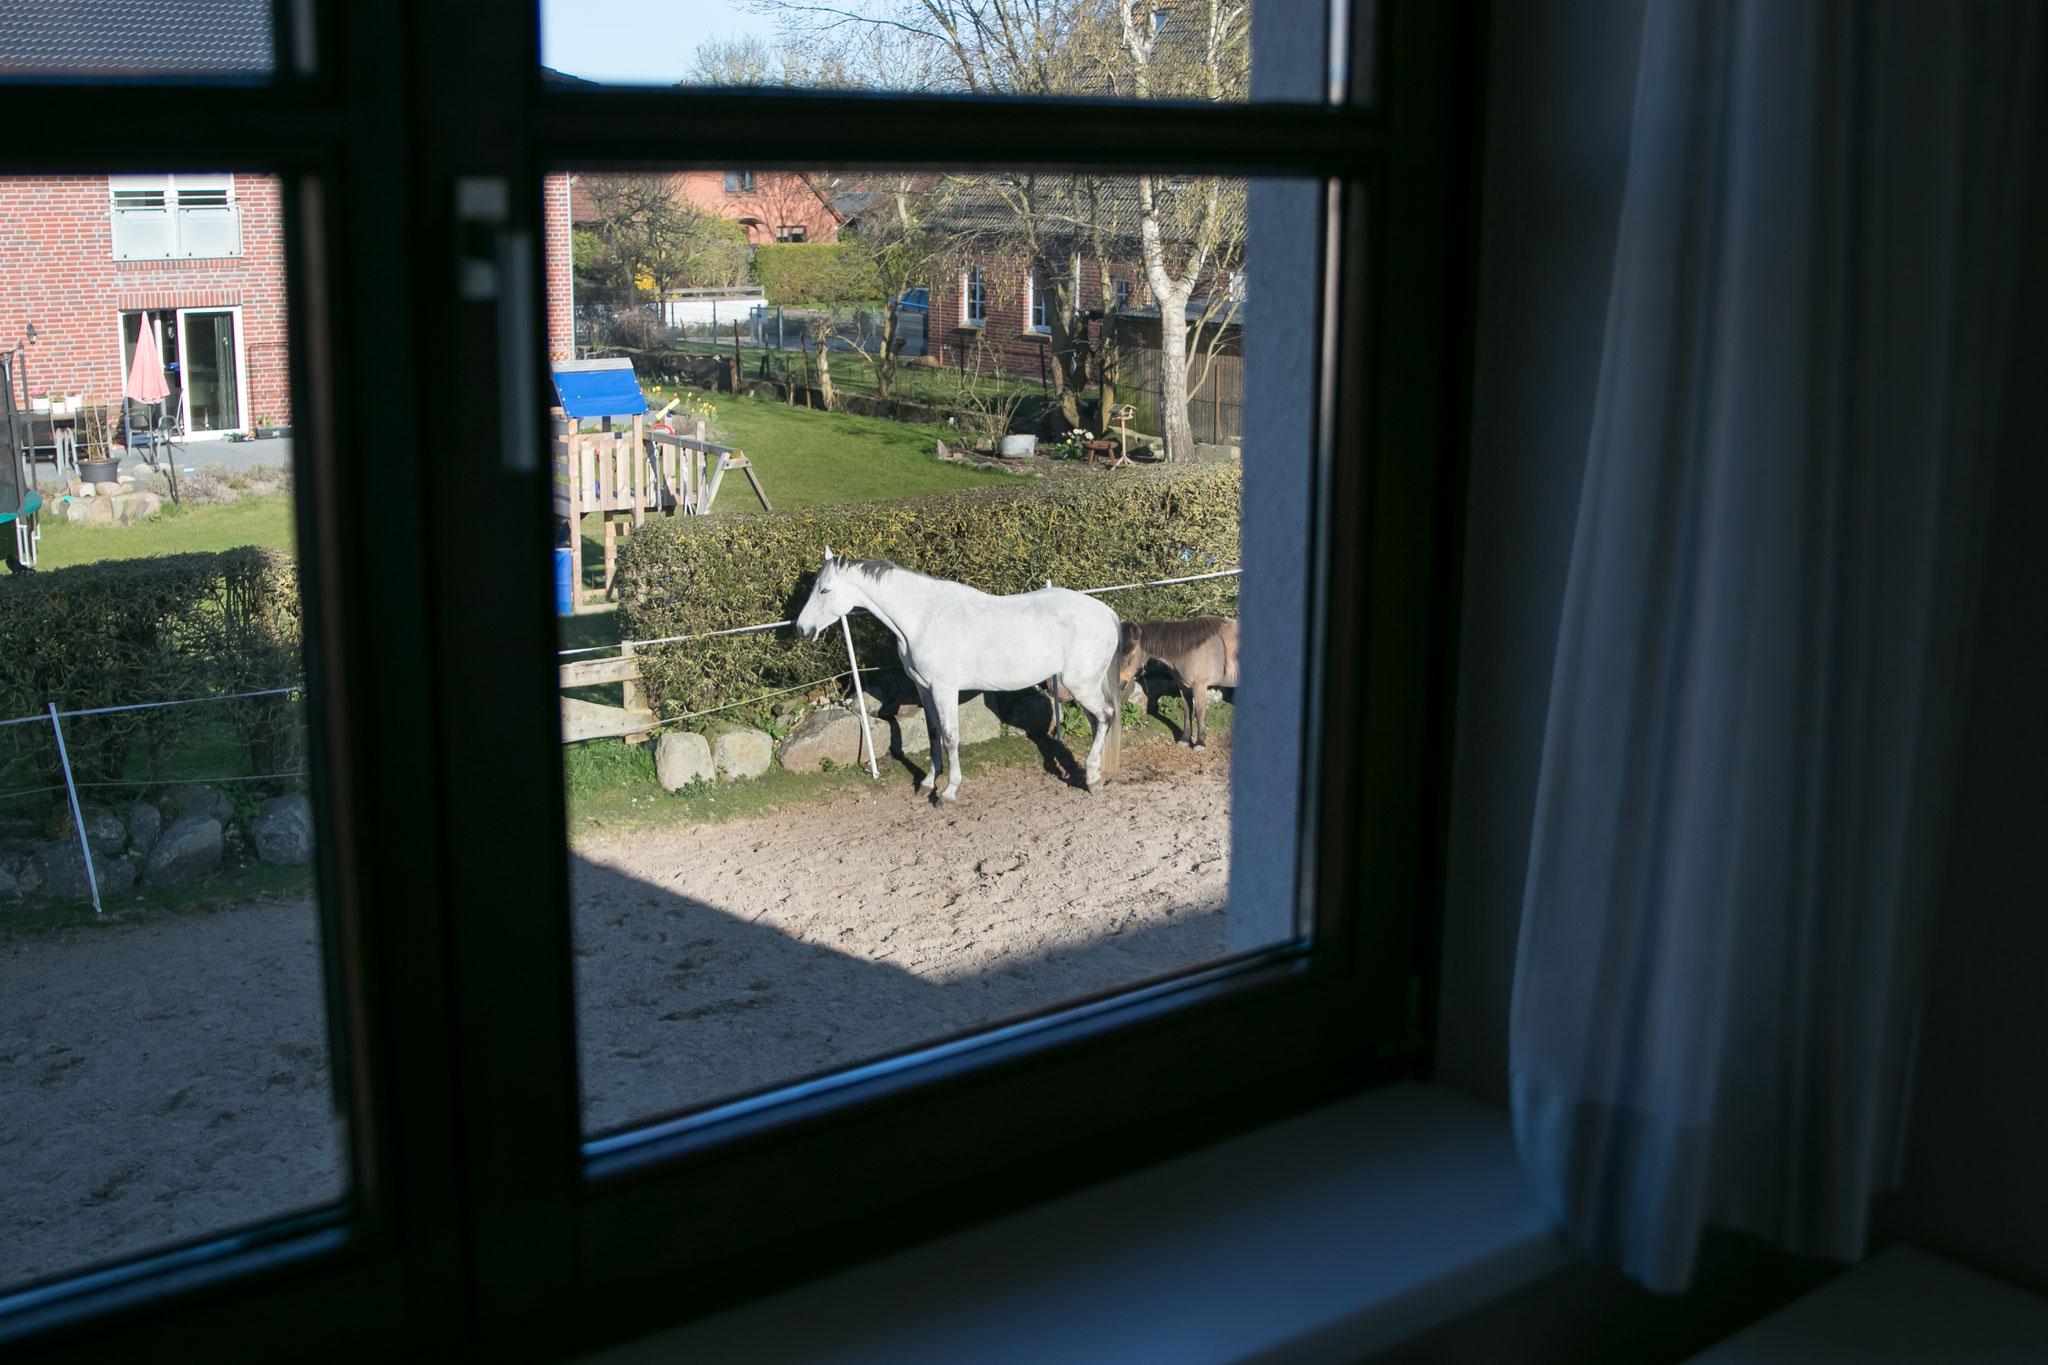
(1761, 664)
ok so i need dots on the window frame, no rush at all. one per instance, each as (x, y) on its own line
(481, 1222)
(973, 296)
(1035, 324)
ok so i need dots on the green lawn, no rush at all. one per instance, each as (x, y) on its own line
(815, 459)
(175, 530)
(812, 459)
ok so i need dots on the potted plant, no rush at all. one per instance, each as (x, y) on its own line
(96, 462)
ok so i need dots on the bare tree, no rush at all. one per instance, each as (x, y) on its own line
(1188, 234)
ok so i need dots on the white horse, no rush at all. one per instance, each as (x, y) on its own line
(951, 637)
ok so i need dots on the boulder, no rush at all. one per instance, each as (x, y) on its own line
(61, 870)
(283, 831)
(130, 508)
(682, 758)
(977, 723)
(89, 509)
(104, 830)
(145, 823)
(1029, 711)
(180, 802)
(190, 849)
(10, 885)
(740, 751)
(829, 734)
(108, 488)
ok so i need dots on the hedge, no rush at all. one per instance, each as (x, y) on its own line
(685, 576)
(793, 273)
(165, 628)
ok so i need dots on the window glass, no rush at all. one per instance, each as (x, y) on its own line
(1093, 49)
(767, 887)
(109, 38)
(164, 1063)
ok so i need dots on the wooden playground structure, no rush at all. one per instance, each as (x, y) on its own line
(624, 472)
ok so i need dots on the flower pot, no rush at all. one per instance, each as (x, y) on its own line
(98, 471)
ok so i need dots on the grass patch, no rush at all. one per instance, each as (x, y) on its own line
(612, 790)
(814, 459)
(224, 890)
(175, 530)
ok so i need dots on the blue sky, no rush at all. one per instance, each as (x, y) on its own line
(636, 41)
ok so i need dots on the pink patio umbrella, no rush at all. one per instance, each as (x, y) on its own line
(145, 382)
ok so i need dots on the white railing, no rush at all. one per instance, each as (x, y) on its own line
(170, 234)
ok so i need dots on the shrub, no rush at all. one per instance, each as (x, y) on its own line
(684, 576)
(794, 273)
(158, 629)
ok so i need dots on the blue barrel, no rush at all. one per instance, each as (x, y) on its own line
(565, 580)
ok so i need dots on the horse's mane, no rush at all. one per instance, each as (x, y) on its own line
(873, 569)
(1178, 637)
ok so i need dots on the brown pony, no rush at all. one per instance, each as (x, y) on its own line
(1200, 654)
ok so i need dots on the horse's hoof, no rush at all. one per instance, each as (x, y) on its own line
(1198, 747)
(947, 798)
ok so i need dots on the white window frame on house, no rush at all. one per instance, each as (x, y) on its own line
(791, 233)
(174, 217)
(739, 182)
(1121, 290)
(1034, 308)
(973, 297)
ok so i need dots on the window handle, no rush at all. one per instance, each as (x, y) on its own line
(495, 265)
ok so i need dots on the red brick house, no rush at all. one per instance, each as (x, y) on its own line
(87, 259)
(773, 206)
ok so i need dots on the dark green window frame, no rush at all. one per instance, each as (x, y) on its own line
(479, 1221)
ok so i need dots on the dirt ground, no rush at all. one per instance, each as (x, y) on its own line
(159, 1081)
(719, 959)
(168, 1078)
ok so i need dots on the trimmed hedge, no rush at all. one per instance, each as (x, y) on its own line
(165, 628)
(687, 575)
(793, 273)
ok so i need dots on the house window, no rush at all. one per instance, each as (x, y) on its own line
(973, 297)
(1035, 311)
(790, 232)
(739, 182)
(174, 217)
(1120, 290)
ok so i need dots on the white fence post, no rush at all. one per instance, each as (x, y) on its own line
(77, 817)
(860, 699)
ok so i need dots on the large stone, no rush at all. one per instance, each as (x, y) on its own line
(104, 830)
(180, 802)
(1029, 711)
(10, 885)
(108, 488)
(740, 751)
(89, 509)
(682, 758)
(189, 849)
(62, 870)
(130, 508)
(145, 823)
(283, 831)
(977, 723)
(828, 734)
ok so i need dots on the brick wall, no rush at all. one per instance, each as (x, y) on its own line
(557, 251)
(57, 270)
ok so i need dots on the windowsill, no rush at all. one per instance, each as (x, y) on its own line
(970, 327)
(1038, 333)
(1319, 1239)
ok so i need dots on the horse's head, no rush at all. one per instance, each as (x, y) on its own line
(1130, 654)
(830, 599)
